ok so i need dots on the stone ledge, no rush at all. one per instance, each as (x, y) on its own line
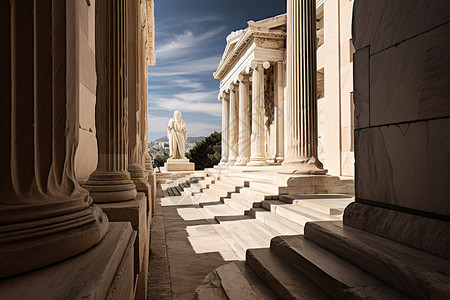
(426, 234)
(104, 271)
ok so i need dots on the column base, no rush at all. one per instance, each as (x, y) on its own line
(303, 166)
(107, 187)
(279, 158)
(136, 172)
(35, 244)
(231, 162)
(223, 161)
(258, 162)
(242, 161)
(103, 272)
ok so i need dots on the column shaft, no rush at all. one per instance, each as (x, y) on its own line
(279, 110)
(225, 118)
(111, 181)
(244, 121)
(258, 155)
(233, 125)
(45, 216)
(301, 105)
(134, 93)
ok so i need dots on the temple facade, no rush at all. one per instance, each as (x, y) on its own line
(253, 91)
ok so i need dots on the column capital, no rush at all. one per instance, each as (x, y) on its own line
(244, 77)
(256, 63)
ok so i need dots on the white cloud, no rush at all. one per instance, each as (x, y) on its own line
(187, 43)
(178, 82)
(201, 66)
(192, 105)
(197, 97)
(202, 128)
(187, 83)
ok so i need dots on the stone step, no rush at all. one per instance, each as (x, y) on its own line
(212, 194)
(234, 281)
(195, 188)
(257, 195)
(301, 215)
(278, 223)
(202, 184)
(221, 190)
(325, 189)
(396, 264)
(326, 206)
(261, 289)
(227, 185)
(250, 234)
(237, 181)
(268, 188)
(337, 277)
(271, 204)
(283, 279)
(246, 200)
(242, 209)
(219, 209)
(202, 198)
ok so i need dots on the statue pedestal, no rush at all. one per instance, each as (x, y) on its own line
(181, 164)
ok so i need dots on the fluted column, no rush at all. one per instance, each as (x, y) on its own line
(135, 155)
(233, 125)
(258, 151)
(301, 134)
(45, 216)
(244, 121)
(225, 122)
(111, 181)
(279, 110)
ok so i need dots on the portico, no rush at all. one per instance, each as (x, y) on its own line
(248, 72)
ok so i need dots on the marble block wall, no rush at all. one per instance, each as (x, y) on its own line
(86, 155)
(402, 104)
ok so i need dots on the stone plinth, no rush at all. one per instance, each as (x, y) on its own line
(135, 212)
(181, 164)
(103, 272)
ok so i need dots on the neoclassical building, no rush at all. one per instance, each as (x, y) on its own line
(252, 74)
(77, 190)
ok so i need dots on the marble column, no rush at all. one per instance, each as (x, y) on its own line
(225, 118)
(111, 182)
(233, 127)
(301, 134)
(258, 151)
(279, 110)
(45, 216)
(135, 155)
(244, 121)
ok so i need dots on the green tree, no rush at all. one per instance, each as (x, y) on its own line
(160, 160)
(206, 153)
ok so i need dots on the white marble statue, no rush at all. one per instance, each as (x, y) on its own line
(177, 135)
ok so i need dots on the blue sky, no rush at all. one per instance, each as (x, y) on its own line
(190, 39)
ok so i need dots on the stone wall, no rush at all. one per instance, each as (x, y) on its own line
(402, 107)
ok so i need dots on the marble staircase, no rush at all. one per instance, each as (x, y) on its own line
(251, 209)
(341, 262)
